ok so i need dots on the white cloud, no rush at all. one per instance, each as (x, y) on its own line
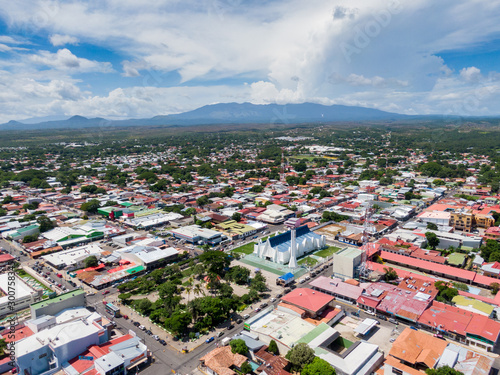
(63, 59)
(377, 54)
(471, 74)
(60, 40)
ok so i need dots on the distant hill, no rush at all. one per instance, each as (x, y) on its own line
(229, 113)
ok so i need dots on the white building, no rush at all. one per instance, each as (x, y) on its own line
(44, 352)
(278, 248)
(24, 295)
(73, 258)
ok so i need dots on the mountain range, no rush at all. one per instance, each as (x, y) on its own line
(227, 113)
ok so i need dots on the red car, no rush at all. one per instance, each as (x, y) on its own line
(59, 275)
(125, 316)
(105, 292)
(59, 285)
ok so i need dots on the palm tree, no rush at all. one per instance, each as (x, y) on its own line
(199, 290)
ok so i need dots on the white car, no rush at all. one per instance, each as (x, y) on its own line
(370, 312)
(156, 337)
(302, 281)
(142, 328)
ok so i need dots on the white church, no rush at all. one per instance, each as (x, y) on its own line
(279, 249)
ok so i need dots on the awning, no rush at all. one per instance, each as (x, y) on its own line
(145, 359)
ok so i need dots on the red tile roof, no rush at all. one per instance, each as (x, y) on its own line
(308, 299)
(430, 266)
(484, 327)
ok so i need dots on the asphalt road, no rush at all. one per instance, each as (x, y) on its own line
(26, 261)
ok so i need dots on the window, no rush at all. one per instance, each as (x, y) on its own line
(397, 371)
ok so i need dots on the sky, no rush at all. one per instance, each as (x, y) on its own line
(136, 59)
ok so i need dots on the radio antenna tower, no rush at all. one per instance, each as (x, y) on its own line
(283, 166)
(363, 269)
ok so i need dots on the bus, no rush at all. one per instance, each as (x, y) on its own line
(113, 310)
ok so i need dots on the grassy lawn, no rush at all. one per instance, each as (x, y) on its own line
(307, 260)
(456, 259)
(245, 249)
(26, 276)
(328, 252)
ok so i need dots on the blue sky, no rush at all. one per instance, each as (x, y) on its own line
(124, 58)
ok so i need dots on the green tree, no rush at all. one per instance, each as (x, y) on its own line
(215, 261)
(202, 201)
(258, 283)
(91, 206)
(7, 199)
(3, 346)
(236, 216)
(432, 240)
(432, 226)
(446, 292)
(30, 238)
(390, 274)
(495, 287)
(273, 348)
(91, 261)
(143, 306)
(45, 223)
(239, 346)
(445, 370)
(300, 355)
(178, 322)
(318, 367)
(246, 368)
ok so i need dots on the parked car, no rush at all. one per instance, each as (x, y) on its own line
(142, 328)
(369, 312)
(263, 305)
(230, 327)
(257, 309)
(219, 334)
(156, 337)
(279, 295)
(59, 285)
(59, 275)
(124, 316)
(149, 332)
(239, 321)
(137, 324)
(105, 292)
(163, 342)
(210, 339)
(272, 299)
(246, 316)
(392, 320)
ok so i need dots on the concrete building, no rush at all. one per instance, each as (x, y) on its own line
(234, 230)
(277, 249)
(119, 356)
(196, 234)
(275, 214)
(148, 256)
(44, 352)
(24, 295)
(346, 263)
(72, 259)
(362, 358)
(19, 234)
(74, 298)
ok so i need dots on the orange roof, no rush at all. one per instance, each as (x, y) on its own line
(222, 359)
(391, 361)
(417, 347)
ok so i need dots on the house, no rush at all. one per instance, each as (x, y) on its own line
(221, 361)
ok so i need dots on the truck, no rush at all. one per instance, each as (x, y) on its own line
(225, 341)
